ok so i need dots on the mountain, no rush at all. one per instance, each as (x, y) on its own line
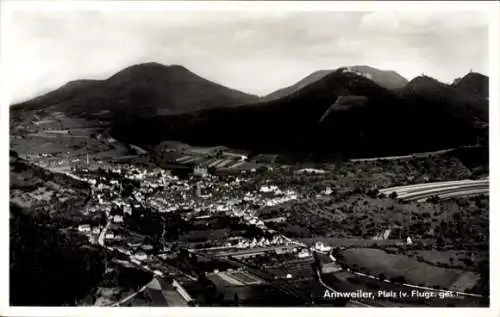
(433, 93)
(297, 86)
(86, 109)
(342, 112)
(140, 90)
(386, 79)
(475, 83)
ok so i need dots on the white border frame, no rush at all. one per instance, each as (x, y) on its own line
(491, 6)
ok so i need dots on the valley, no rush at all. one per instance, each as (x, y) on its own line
(347, 181)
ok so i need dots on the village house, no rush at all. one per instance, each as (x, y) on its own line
(84, 228)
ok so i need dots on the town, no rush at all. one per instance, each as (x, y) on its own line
(196, 229)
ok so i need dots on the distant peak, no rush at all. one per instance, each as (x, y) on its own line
(156, 65)
(424, 78)
(475, 75)
(177, 66)
(151, 68)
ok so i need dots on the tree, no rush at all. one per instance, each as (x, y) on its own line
(103, 220)
(373, 193)
(381, 276)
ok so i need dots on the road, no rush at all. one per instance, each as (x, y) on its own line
(102, 235)
(102, 241)
(122, 301)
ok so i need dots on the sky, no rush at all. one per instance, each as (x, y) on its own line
(255, 52)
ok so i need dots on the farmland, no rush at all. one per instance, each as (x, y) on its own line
(462, 259)
(228, 294)
(376, 261)
(209, 157)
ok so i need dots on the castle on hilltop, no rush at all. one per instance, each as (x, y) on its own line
(352, 70)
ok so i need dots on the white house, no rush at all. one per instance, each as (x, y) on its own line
(147, 247)
(328, 190)
(304, 253)
(84, 228)
(320, 246)
(387, 233)
(141, 256)
(127, 210)
(133, 260)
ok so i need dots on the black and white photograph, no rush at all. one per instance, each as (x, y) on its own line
(247, 154)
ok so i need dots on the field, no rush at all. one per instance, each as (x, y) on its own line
(207, 159)
(246, 278)
(203, 265)
(59, 134)
(281, 265)
(77, 145)
(376, 261)
(462, 259)
(239, 278)
(250, 295)
(205, 235)
(34, 187)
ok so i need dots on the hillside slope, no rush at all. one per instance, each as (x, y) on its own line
(297, 86)
(475, 83)
(433, 93)
(49, 264)
(386, 79)
(143, 89)
(42, 191)
(369, 120)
